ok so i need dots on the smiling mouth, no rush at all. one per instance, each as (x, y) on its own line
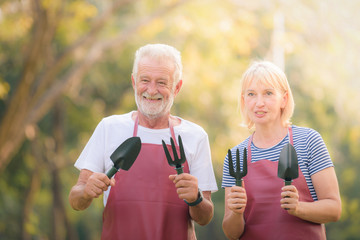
(152, 98)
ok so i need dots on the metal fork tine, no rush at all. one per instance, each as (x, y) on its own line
(176, 158)
(244, 162)
(231, 166)
(237, 161)
(168, 157)
(182, 152)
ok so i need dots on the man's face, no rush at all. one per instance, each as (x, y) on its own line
(154, 87)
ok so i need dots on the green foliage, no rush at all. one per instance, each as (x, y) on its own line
(218, 39)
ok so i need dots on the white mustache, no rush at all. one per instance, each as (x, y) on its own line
(152, 97)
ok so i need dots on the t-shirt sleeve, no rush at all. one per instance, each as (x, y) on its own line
(201, 167)
(91, 157)
(318, 154)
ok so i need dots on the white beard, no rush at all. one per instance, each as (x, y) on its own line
(153, 110)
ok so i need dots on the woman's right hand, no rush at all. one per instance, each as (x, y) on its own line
(237, 199)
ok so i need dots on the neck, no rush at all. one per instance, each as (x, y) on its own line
(265, 137)
(153, 123)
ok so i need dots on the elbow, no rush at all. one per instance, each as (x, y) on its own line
(228, 235)
(206, 221)
(335, 213)
(229, 231)
(338, 211)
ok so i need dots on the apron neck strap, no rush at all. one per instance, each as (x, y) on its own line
(172, 132)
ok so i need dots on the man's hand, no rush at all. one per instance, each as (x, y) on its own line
(90, 185)
(96, 184)
(186, 186)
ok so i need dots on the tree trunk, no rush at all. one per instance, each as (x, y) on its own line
(34, 97)
(34, 187)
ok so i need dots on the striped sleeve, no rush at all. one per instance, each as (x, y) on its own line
(318, 154)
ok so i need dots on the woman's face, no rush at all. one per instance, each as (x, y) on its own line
(263, 103)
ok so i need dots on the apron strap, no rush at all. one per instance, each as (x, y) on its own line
(172, 132)
(136, 126)
(291, 136)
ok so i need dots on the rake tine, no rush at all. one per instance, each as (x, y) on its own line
(238, 172)
(176, 158)
(168, 157)
(237, 161)
(244, 162)
(231, 166)
(182, 152)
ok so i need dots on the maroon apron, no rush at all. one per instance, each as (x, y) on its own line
(144, 203)
(264, 218)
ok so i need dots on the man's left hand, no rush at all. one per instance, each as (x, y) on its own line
(186, 186)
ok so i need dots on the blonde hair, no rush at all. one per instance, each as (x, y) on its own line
(269, 74)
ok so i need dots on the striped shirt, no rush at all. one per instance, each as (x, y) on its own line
(311, 150)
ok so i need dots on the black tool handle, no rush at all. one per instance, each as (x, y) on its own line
(179, 169)
(111, 172)
(287, 183)
(239, 182)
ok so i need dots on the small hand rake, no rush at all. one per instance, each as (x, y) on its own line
(177, 162)
(238, 175)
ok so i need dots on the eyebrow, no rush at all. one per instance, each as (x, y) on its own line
(267, 89)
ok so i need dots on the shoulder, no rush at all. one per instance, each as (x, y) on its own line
(305, 133)
(188, 127)
(117, 119)
(242, 145)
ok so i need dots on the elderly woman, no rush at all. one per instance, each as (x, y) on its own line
(263, 208)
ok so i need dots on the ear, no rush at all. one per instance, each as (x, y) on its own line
(178, 87)
(284, 100)
(133, 81)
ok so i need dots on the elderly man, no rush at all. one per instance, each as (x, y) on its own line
(150, 201)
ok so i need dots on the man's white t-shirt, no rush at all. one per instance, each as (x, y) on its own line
(113, 130)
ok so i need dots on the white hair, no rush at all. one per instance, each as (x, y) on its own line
(160, 52)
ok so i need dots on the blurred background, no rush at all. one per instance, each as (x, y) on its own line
(66, 64)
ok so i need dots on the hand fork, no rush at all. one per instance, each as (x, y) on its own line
(177, 162)
(238, 175)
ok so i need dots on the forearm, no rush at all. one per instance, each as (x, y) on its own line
(77, 199)
(233, 225)
(204, 211)
(322, 211)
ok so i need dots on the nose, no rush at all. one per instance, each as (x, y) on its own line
(259, 100)
(152, 89)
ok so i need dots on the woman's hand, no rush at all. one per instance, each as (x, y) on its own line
(237, 199)
(235, 204)
(290, 199)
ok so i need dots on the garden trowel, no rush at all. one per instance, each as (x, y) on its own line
(125, 155)
(288, 168)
